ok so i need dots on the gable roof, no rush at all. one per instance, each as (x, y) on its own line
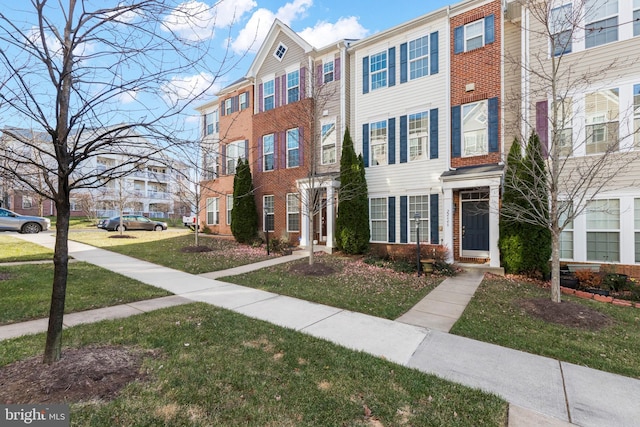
(265, 49)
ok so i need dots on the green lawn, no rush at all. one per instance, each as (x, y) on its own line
(217, 368)
(354, 285)
(26, 290)
(165, 249)
(14, 249)
(494, 316)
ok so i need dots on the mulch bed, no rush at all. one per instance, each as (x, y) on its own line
(82, 374)
(316, 269)
(565, 313)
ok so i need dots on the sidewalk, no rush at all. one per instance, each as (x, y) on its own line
(541, 391)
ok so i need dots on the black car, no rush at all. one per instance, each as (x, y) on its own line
(131, 222)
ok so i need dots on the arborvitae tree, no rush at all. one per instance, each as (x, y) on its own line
(352, 225)
(244, 216)
(525, 244)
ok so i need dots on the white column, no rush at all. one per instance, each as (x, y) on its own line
(304, 216)
(494, 229)
(330, 219)
(448, 221)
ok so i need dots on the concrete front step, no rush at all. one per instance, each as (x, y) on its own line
(484, 268)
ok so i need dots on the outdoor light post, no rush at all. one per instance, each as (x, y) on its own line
(416, 216)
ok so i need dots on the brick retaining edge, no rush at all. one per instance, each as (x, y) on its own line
(601, 298)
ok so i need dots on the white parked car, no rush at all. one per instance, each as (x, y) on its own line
(11, 221)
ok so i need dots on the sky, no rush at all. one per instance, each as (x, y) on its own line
(235, 29)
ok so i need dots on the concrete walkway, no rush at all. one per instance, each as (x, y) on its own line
(541, 391)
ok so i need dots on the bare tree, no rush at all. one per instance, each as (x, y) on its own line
(67, 69)
(586, 155)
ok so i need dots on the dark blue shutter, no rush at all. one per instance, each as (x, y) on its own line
(365, 144)
(493, 125)
(223, 155)
(392, 66)
(392, 219)
(365, 74)
(403, 219)
(434, 53)
(403, 63)
(458, 40)
(489, 32)
(455, 131)
(403, 139)
(433, 219)
(433, 133)
(391, 140)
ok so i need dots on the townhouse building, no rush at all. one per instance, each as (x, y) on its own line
(589, 119)
(227, 130)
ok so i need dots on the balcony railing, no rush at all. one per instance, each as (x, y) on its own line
(158, 194)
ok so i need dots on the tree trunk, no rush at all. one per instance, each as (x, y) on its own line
(311, 232)
(53, 346)
(555, 267)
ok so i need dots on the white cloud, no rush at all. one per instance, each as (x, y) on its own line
(196, 21)
(128, 97)
(199, 86)
(324, 33)
(250, 38)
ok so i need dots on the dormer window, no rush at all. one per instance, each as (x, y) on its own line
(280, 51)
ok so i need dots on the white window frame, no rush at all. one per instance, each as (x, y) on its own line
(605, 124)
(567, 250)
(593, 19)
(235, 150)
(419, 203)
(560, 26)
(636, 114)
(293, 145)
(211, 123)
(271, 95)
(603, 210)
(243, 100)
(229, 202)
(380, 218)
(328, 71)
(481, 147)
(269, 154)
(418, 57)
(378, 70)
(280, 51)
(328, 135)
(293, 86)
(213, 211)
(228, 106)
(27, 202)
(418, 137)
(293, 212)
(564, 123)
(268, 210)
(636, 18)
(469, 37)
(379, 145)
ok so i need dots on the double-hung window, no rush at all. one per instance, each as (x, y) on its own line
(27, 202)
(420, 205)
(564, 116)
(474, 128)
(213, 213)
(235, 152)
(603, 230)
(227, 106)
(566, 236)
(229, 207)
(560, 26)
(474, 35)
(378, 218)
(601, 22)
(268, 152)
(419, 57)
(602, 113)
(293, 212)
(378, 70)
(269, 95)
(244, 100)
(636, 18)
(378, 142)
(293, 148)
(636, 114)
(327, 71)
(328, 143)
(211, 122)
(293, 86)
(268, 216)
(418, 136)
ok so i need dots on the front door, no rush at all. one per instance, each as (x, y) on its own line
(475, 224)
